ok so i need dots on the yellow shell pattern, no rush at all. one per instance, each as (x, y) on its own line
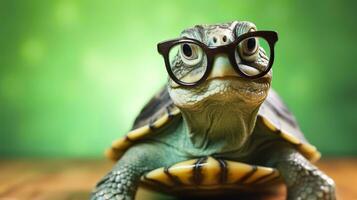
(119, 146)
(209, 173)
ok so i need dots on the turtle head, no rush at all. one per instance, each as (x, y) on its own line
(225, 99)
(223, 85)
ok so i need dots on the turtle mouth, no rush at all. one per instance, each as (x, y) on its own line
(231, 87)
(227, 89)
(262, 80)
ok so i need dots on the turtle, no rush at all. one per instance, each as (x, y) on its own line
(217, 128)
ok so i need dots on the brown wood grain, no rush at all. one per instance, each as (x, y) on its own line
(74, 179)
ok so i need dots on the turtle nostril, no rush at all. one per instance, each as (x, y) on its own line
(224, 38)
(214, 39)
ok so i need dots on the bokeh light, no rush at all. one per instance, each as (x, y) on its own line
(74, 74)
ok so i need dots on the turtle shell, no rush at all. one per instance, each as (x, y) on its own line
(160, 111)
(209, 175)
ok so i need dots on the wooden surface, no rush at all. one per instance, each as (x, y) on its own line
(74, 179)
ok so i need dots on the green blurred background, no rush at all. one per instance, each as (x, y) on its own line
(73, 74)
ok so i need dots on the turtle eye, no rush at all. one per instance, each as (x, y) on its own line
(250, 46)
(188, 62)
(191, 54)
(248, 49)
(253, 55)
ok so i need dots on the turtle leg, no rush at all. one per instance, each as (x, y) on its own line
(122, 182)
(303, 180)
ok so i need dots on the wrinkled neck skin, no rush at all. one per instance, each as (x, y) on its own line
(219, 115)
(220, 126)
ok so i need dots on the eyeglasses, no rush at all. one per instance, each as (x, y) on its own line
(189, 61)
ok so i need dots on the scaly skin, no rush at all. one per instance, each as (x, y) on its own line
(304, 180)
(122, 182)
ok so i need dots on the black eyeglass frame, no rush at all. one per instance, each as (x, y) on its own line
(229, 49)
